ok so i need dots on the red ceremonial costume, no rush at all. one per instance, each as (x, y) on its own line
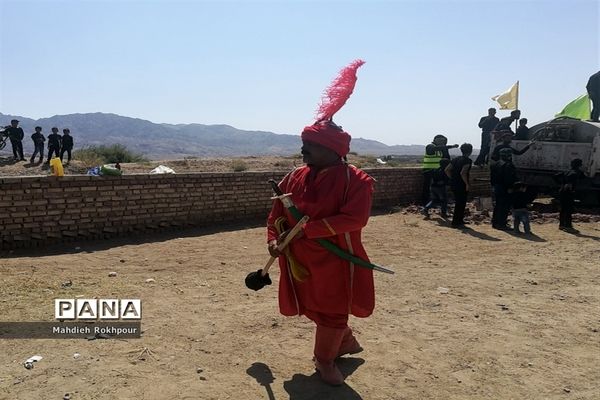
(337, 197)
(338, 202)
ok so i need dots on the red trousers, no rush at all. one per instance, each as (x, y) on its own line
(336, 321)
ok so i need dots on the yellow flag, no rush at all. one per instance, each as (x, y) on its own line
(508, 100)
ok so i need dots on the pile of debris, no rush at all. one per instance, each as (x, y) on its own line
(479, 211)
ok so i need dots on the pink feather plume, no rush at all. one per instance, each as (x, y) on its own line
(336, 95)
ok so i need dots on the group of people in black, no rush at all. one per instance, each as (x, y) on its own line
(57, 145)
(490, 125)
(440, 171)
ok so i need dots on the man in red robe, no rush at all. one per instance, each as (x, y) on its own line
(337, 198)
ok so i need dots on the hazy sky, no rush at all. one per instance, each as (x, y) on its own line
(431, 68)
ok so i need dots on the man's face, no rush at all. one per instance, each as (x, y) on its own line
(491, 112)
(38, 130)
(314, 154)
(14, 124)
(55, 130)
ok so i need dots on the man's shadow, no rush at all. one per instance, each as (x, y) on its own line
(532, 237)
(583, 235)
(467, 230)
(303, 387)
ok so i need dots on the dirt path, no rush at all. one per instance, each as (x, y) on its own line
(521, 319)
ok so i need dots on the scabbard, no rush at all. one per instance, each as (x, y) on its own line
(328, 245)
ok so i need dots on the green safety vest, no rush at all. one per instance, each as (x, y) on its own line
(432, 161)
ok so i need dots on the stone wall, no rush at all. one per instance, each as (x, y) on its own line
(37, 211)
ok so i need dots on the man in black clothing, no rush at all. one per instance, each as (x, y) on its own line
(506, 122)
(503, 176)
(487, 125)
(438, 193)
(434, 152)
(38, 143)
(67, 144)
(459, 173)
(520, 201)
(16, 135)
(506, 139)
(54, 143)
(522, 131)
(567, 195)
(593, 89)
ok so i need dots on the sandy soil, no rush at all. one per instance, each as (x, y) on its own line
(521, 319)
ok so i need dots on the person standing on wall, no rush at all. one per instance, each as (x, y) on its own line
(487, 125)
(522, 131)
(16, 135)
(593, 89)
(54, 144)
(66, 145)
(38, 143)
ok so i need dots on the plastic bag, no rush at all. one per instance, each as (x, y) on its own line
(110, 170)
(161, 169)
(57, 167)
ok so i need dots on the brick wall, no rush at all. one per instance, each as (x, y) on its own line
(43, 210)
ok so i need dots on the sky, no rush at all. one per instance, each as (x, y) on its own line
(431, 66)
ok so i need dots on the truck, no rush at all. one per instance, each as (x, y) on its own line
(556, 143)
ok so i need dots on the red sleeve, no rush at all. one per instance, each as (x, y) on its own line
(276, 211)
(353, 215)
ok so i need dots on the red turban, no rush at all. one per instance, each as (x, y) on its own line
(328, 135)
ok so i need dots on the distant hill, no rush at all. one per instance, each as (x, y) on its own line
(166, 141)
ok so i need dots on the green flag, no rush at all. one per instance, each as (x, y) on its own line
(578, 108)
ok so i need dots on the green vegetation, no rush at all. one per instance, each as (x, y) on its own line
(116, 153)
(239, 165)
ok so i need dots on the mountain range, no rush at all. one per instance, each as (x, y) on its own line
(168, 141)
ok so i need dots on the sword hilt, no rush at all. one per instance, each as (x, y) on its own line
(275, 187)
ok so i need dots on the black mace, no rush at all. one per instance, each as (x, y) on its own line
(259, 279)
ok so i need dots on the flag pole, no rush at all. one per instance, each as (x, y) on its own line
(517, 107)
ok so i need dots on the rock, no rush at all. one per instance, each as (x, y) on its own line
(202, 378)
(67, 396)
(121, 261)
(150, 280)
(66, 284)
(567, 390)
(199, 370)
(76, 355)
(443, 290)
(112, 274)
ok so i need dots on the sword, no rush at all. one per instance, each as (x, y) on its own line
(328, 245)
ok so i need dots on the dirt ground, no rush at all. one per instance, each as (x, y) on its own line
(8, 167)
(520, 319)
